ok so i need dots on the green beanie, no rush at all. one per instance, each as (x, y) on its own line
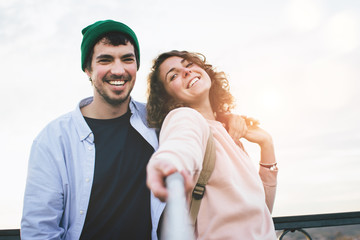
(94, 32)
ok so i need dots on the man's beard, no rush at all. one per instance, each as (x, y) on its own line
(114, 102)
(107, 98)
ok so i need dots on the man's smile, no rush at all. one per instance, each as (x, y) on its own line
(117, 82)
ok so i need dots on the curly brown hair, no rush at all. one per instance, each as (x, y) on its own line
(160, 103)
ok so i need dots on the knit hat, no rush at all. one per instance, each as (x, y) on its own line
(94, 32)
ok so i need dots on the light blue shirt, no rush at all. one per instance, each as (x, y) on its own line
(60, 176)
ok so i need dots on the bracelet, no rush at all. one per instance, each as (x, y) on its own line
(271, 166)
(268, 164)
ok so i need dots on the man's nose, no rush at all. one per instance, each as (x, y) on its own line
(117, 68)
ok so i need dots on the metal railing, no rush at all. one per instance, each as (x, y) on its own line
(298, 223)
(11, 234)
(177, 222)
(287, 224)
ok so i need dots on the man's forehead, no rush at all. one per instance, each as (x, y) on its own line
(106, 46)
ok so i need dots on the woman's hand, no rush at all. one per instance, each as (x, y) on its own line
(156, 174)
(256, 134)
(240, 126)
(248, 128)
(236, 126)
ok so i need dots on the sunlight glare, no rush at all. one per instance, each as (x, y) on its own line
(269, 99)
(342, 34)
(304, 15)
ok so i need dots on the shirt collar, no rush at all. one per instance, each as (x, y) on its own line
(84, 130)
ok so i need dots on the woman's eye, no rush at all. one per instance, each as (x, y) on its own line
(189, 64)
(173, 77)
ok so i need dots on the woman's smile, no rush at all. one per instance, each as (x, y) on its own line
(193, 81)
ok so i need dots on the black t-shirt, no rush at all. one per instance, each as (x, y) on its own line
(119, 206)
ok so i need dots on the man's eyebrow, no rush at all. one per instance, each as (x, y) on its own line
(128, 55)
(172, 69)
(104, 56)
(110, 56)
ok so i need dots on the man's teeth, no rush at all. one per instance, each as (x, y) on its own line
(193, 81)
(117, 83)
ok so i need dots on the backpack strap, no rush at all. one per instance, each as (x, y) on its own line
(207, 169)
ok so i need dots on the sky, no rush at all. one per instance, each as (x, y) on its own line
(292, 64)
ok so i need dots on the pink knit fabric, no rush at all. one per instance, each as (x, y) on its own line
(238, 197)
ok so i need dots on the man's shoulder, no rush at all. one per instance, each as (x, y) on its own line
(139, 106)
(69, 122)
(57, 127)
(139, 109)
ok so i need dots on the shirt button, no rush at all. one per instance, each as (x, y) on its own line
(87, 179)
(90, 148)
(81, 212)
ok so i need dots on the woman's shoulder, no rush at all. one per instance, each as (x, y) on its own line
(185, 121)
(186, 113)
(185, 116)
(185, 109)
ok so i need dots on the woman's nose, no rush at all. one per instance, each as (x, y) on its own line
(187, 72)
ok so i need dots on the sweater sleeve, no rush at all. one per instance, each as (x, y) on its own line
(183, 139)
(269, 179)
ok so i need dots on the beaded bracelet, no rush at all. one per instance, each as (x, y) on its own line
(267, 164)
(271, 166)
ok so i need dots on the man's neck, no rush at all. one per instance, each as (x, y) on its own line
(104, 110)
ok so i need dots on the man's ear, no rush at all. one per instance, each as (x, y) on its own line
(88, 73)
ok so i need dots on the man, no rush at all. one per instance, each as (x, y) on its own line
(87, 169)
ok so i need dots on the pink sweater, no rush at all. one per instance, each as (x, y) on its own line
(238, 198)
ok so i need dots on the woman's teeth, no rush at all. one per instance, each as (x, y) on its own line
(193, 81)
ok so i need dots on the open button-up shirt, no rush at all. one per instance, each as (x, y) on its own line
(60, 175)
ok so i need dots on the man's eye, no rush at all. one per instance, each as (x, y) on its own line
(129, 60)
(104, 60)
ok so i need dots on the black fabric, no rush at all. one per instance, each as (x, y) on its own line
(119, 206)
(159, 229)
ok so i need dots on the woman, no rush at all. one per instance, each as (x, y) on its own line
(186, 98)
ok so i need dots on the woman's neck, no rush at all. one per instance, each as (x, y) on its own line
(205, 110)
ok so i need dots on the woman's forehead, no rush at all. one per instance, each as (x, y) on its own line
(173, 60)
(171, 63)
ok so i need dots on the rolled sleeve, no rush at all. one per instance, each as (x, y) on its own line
(269, 180)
